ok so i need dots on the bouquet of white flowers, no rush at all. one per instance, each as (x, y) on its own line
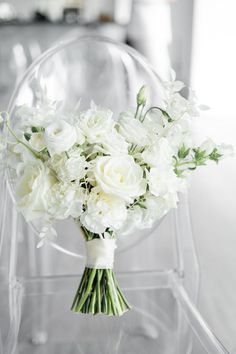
(110, 174)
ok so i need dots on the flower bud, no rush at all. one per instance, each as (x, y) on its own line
(142, 96)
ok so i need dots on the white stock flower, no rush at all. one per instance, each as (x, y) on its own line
(158, 154)
(32, 190)
(155, 122)
(179, 107)
(69, 169)
(208, 146)
(59, 136)
(163, 182)
(65, 199)
(120, 176)
(80, 136)
(132, 129)
(103, 211)
(95, 123)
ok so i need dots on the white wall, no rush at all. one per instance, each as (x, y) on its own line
(213, 191)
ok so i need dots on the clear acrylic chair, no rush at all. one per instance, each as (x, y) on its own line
(158, 270)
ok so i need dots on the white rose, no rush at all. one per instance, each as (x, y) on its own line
(208, 146)
(95, 123)
(158, 154)
(59, 136)
(37, 141)
(69, 169)
(65, 199)
(33, 188)
(132, 129)
(120, 176)
(163, 182)
(103, 211)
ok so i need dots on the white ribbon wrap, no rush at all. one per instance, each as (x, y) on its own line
(100, 253)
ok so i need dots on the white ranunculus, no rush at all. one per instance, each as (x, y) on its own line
(163, 182)
(40, 116)
(112, 144)
(103, 211)
(69, 169)
(37, 141)
(158, 154)
(120, 176)
(132, 129)
(32, 190)
(95, 123)
(64, 200)
(59, 136)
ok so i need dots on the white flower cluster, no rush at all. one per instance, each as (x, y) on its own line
(111, 174)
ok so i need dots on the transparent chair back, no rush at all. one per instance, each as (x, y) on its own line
(157, 269)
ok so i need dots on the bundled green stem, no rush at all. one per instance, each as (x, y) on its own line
(98, 291)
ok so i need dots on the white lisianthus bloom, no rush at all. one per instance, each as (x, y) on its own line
(158, 154)
(163, 182)
(64, 200)
(208, 146)
(157, 207)
(132, 129)
(112, 144)
(69, 169)
(37, 141)
(120, 176)
(32, 190)
(178, 106)
(225, 150)
(179, 133)
(133, 222)
(103, 211)
(144, 218)
(59, 136)
(155, 122)
(95, 123)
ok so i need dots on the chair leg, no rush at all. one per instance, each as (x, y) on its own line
(15, 307)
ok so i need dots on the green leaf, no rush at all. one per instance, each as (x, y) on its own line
(183, 152)
(215, 155)
(27, 136)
